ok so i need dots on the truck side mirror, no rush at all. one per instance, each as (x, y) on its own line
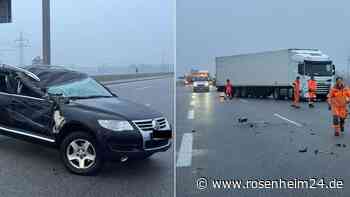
(333, 69)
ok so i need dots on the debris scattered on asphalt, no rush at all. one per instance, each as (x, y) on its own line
(251, 125)
(312, 133)
(332, 153)
(316, 151)
(193, 130)
(242, 119)
(257, 132)
(341, 145)
(304, 150)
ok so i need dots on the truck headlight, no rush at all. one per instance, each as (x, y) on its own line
(195, 84)
(116, 125)
(206, 83)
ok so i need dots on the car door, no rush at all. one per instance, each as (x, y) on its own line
(5, 101)
(31, 112)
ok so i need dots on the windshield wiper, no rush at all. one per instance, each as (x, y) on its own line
(88, 97)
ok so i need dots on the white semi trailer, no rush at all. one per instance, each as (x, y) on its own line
(273, 72)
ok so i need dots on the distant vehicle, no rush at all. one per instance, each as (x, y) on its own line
(72, 112)
(195, 73)
(201, 84)
(273, 72)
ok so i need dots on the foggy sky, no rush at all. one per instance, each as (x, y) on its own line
(206, 29)
(94, 32)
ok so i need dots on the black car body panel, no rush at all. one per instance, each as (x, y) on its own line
(118, 107)
(28, 112)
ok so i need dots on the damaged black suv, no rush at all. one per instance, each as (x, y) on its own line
(74, 113)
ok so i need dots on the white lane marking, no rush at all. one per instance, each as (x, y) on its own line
(142, 88)
(185, 153)
(286, 119)
(244, 101)
(192, 103)
(190, 115)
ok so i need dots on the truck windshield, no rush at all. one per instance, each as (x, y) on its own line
(85, 88)
(318, 69)
(200, 79)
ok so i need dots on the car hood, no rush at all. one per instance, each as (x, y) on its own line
(119, 107)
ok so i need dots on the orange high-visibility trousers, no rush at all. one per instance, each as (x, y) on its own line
(338, 99)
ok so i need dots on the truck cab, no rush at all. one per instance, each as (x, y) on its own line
(314, 63)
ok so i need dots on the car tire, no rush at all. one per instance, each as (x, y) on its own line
(81, 154)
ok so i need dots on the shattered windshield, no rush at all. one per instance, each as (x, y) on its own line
(85, 88)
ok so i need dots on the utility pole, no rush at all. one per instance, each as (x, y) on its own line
(22, 43)
(46, 32)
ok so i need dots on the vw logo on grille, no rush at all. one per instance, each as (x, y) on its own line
(155, 125)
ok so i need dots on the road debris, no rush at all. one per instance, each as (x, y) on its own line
(242, 119)
(340, 145)
(304, 150)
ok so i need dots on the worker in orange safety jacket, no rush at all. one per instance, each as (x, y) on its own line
(338, 99)
(296, 92)
(312, 85)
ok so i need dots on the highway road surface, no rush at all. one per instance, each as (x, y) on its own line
(277, 142)
(28, 170)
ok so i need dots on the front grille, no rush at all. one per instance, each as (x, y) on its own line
(146, 125)
(322, 88)
(156, 143)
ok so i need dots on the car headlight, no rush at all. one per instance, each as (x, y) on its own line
(116, 125)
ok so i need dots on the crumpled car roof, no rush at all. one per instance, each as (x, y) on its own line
(55, 75)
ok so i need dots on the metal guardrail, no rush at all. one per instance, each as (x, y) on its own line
(111, 78)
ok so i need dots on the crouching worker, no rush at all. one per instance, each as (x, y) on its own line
(338, 99)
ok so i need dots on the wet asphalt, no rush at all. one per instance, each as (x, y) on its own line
(35, 171)
(277, 141)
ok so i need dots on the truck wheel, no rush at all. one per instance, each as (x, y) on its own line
(276, 94)
(80, 154)
(220, 88)
(238, 92)
(244, 92)
(291, 93)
